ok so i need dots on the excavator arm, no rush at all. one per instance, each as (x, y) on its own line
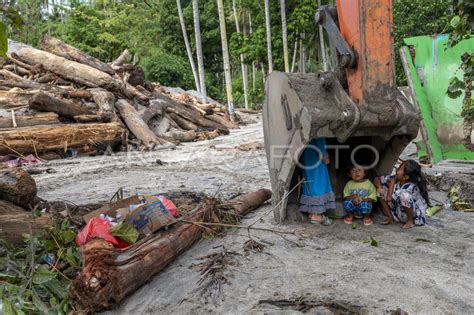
(356, 105)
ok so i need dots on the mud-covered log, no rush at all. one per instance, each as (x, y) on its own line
(12, 99)
(16, 221)
(39, 139)
(59, 48)
(109, 275)
(195, 117)
(32, 120)
(18, 187)
(183, 123)
(104, 99)
(101, 117)
(79, 94)
(137, 126)
(45, 102)
(183, 136)
(221, 120)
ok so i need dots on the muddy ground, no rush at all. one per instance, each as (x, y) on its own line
(324, 270)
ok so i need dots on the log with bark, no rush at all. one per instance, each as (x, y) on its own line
(38, 139)
(78, 72)
(45, 102)
(59, 48)
(15, 221)
(109, 275)
(137, 126)
(104, 99)
(32, 120)
(182, 136)
(13, 99)
(124, 56)
(18, 187)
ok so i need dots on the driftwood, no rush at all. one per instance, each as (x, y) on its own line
(58, 137)
(102, 117)
(15, 221)
(183, 136)
(27, 121)
(78, 72)
(46, 102)
(109, 275)
(62, 49)
(183, 123)
(79, 94)
(221, 120)
(14, 59)
(20, 81)
(17, 69)
(13, 99)
(18, 187)
(137, 126)
(124, 56)
(104, 99)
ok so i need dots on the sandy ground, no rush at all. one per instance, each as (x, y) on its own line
(324, 270)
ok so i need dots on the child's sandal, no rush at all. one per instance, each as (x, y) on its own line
(348, 220)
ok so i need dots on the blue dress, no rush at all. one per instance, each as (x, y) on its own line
(317, 194)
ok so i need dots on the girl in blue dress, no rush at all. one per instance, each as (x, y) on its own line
(317, 194)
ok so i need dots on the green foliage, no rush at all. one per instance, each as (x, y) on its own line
(10, 17)
(460, 27)
(34, 279)
(414, 18)
(125, 232)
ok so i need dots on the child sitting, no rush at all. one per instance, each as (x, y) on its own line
(407, 195)
(359, 193)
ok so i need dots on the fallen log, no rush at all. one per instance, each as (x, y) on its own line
(13, 99)
(15, 221)
(137, 126)
(124, 56)
(221, 120)
(195, 117)
(58, 137)
(17, 69)
(27, 121)
(109, 275)
(103, 117)
(45, 102)
(14, 59)
(183, 123)
(79, 94)
(78, 72)
(243, 204)
(182, 136)
(18, 187)
(59, 48)
(104, 99)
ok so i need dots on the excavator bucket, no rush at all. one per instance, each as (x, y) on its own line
(368, 123)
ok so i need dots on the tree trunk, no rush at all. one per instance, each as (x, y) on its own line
(221, 120)
(295, 50)
(183, 136)
(284, 35)
(137, 126)
(188, 47)
(109, 275)
(269, 36)
(321, 43)
(45, 102)
(18, 187)
(253, 62)
(9, 99)
(15, 221)
(38, 139)
(78, 72)
(183, 123)
(200, 60)
(59, 48)
(242, 57)
(104, 99)
(27, 121)
(225, 55)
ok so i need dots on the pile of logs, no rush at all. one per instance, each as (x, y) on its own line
(59, 97)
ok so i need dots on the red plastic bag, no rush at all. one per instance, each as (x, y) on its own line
(170, 206)
(99, 228)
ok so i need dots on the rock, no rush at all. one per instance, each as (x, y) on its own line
(18, 187)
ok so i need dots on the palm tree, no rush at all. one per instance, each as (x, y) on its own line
(197, 33)
(253, 62)
(269, 36)
(188, 47)
(242, 64)
(225, 56)
(284, 35)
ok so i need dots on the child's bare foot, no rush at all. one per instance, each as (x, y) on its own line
(386, 222)
(408, 225)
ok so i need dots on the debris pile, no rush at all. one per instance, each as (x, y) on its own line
(59, 98)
